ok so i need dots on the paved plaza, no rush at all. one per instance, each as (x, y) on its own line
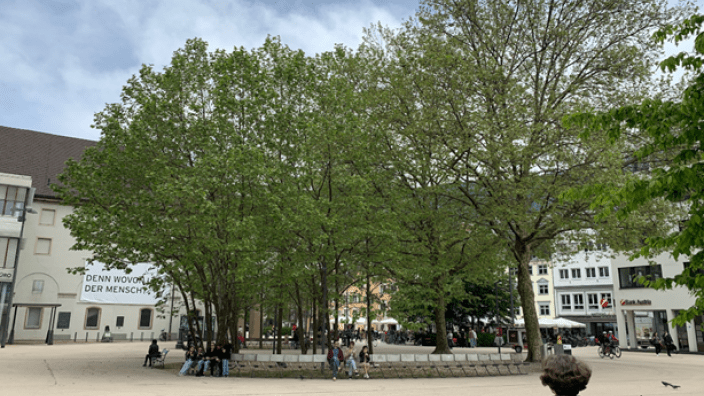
(116, 369)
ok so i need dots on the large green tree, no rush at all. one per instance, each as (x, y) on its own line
(497, 78)
(669, 127)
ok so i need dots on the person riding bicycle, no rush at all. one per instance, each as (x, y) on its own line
(605, 342)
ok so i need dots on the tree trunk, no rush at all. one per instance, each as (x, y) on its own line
(441, 346)
(261, 326)
(279, 324)
(370, 336)
(315, 328)
(530, 316)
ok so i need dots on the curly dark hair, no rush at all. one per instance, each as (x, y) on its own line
(565, 374)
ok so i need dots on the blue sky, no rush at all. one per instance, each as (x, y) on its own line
(63, 60)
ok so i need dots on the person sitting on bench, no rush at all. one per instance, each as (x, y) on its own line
(153, 353)
(210, 359)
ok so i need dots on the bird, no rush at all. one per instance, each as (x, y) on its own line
(669, 384)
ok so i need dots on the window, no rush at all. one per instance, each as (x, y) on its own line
(628, 275)
(8, 249)
(603, 272)
(566, 303)
(544, 308)
(64, 320)
(593, 300)
(356, 298)
(11, 199)
(92, 318)
(542, 269)
(530, 269)
(120, 321)
(543, 289)
(43, 246)
(576, 273)
(578, 301)
(607, 297)
(33, 320)
(145, 318)
(47, 217)
(591, 272)
(564, 274)
(37, 287)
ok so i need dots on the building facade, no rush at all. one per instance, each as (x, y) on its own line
(640, 311)
(48, 299)
(541, 276)
(584, 289)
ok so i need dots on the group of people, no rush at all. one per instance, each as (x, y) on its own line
(664, 342)
(217, 359)
(337, 357)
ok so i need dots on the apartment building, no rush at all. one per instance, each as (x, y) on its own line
(584, 289)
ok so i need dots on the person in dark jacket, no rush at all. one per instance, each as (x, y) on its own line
(191, 356)
(153, 353)
(364, 360)
(657, 343)
(669, 344)
(210, 359)
(225, 353)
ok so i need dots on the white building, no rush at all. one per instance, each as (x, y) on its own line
(541, 277)
(584, 289)
(640, 310)
(47, 298)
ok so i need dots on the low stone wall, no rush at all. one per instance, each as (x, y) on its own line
(382, 366)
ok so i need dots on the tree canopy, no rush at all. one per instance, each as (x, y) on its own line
(672, 129)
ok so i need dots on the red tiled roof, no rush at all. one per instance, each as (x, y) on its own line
(39, 155)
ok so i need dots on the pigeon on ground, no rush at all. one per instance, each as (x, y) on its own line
(669, 384)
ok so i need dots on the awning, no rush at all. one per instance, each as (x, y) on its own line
(545, 323)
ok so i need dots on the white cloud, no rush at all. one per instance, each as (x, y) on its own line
(61, 61)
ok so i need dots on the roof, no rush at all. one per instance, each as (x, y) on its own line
(39, 155)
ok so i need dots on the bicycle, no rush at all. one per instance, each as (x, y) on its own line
(612, 350)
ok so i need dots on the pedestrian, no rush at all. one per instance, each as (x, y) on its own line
(364, 360)
(152, 353)
(335, 356)
(473, 338)
(657, 343)
(350, 362)
(669, 344)
(565, 375)
(225, 354)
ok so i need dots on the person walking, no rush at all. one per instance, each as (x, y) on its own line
(335, 356)
(669, 344)
(152, 353)
(657, 343)
(473, 338)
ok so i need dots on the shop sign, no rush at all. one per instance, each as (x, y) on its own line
(636, 302)
(6, 275)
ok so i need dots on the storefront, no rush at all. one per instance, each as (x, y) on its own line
(641, 311)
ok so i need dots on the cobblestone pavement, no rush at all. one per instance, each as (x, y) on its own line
(116, 369)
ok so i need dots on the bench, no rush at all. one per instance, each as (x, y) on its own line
(160, 359)
(384, 365)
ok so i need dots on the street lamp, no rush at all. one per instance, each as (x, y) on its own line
(3, 332)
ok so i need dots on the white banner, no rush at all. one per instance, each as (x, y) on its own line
(116, 286)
